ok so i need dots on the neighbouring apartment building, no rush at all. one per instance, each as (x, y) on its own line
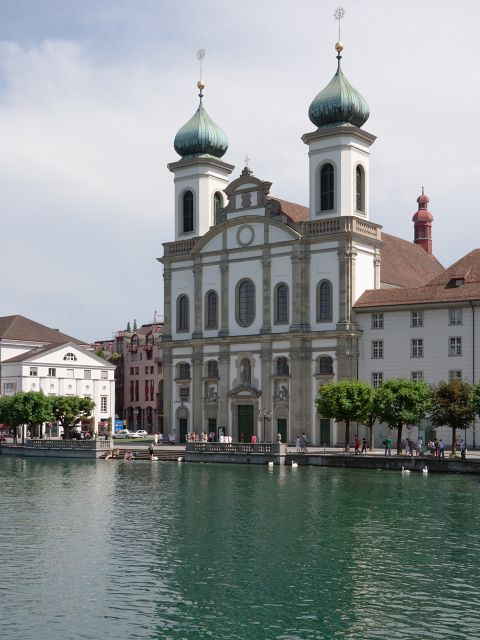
(139, 376)
(34, 357)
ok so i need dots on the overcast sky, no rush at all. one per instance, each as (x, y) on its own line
(93, 92)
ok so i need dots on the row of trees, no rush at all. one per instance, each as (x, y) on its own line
(32, 408)
(399, 403)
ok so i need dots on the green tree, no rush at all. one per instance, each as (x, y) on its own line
(453, 405)
(345, 401)
(370, 416)
(100, 353)
(25, 408)
(71, 409)
(401, 402)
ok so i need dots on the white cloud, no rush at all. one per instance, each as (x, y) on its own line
(87, 121)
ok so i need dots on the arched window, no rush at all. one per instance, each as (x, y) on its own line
(212, 369)
(245, 371)
(282, 367)
(211, 310)
(325, 365)
(217, 204)
(360, 188)
(187, 212)
(324, 301)
(182, 313)
(245, 303)
(281, 303)
(70, 356)
(327, 188)
(184, 371)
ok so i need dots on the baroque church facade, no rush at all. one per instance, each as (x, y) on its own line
(259, 293)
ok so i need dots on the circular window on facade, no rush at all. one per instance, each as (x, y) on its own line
(245, 235)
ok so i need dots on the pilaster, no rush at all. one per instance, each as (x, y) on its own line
(267, 289)
(197, 395)
(197, 283)
(296, 292)
(223, 386)
(224, 269)
(167, 302)
(346, 270)
(376, 269)
(168, 421)
(266, 386)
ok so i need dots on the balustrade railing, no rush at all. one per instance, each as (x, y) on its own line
(95, 443)
(178, 248)
(234, 447)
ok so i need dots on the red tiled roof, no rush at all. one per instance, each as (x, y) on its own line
(406, 264)
(296, 212)
(438, 289)
(21, 328)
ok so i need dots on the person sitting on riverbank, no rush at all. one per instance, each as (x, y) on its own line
(109, 455)
(128, 455)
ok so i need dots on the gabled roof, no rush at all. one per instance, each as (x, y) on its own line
(438, 289)
(50, 348)
(406, 264)
(20, 328)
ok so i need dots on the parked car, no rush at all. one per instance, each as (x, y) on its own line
(124, 433)
(141, 433)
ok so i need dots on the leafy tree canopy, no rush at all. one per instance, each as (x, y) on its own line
(70, 409)
(402, 402)
(453, 404)
(346, 400)
(31, 408)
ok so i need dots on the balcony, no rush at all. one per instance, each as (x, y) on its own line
(178, 248)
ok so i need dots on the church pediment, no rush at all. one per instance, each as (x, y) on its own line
(244, 232)
(242, 391)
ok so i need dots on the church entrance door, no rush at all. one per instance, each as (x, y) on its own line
(282, 430)
(325, 432)
(245, 421)
(182, 428)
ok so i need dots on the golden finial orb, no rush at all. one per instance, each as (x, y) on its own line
(201, 85)
(339, 47)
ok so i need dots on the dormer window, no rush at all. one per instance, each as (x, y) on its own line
(456, 282)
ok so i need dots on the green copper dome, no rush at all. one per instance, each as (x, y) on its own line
(339, 103)
(200, 135)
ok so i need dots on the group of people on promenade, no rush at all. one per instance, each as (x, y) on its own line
(301, 443)
(435, 447)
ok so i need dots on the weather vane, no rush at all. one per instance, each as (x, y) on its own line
(200, 83)
(339, 14)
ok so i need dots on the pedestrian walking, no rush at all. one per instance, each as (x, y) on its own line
(155, 439)
(441, 449)
(419, 447)
(298, 444)
(357, 446)
(463, 449)
(364, 446)
(388, 445)
(303, 443)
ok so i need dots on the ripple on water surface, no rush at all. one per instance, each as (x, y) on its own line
(142, 550)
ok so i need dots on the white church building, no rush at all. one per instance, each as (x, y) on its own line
(266, 300)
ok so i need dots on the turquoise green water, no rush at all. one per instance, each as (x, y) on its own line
(159, 550)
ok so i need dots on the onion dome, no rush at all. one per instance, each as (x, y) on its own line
(339, 103)
(200, 135)
(423, 214)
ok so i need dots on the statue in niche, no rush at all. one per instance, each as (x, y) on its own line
(246, 200)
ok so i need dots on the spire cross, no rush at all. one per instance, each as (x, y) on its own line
(339, 14)
(247, 160)
(200, 57)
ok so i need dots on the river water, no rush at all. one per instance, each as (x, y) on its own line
(114, 549)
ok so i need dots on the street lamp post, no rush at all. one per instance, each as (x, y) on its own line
(264, 415)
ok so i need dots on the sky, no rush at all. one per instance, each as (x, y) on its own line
(93, 92)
